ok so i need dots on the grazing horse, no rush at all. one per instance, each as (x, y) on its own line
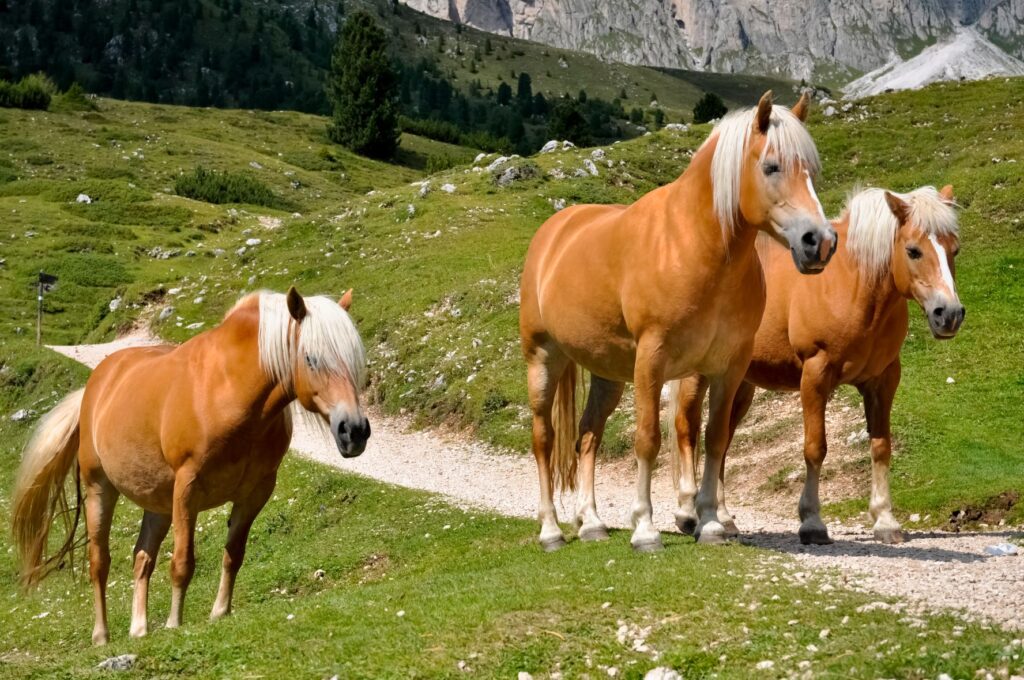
(845, 327)
(659, 289)
(184, 429)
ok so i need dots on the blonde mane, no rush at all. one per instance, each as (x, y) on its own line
(787, 137)
(328, 338)
(872, 226)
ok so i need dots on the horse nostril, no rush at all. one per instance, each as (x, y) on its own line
(810, 238)
(938, 312)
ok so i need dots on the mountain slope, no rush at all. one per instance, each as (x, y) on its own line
(829, 42)
(968, 56)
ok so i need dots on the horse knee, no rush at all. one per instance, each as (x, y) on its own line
(182, 568)
(647, 443)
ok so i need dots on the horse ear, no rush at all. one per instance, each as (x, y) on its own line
(802, 107)
(764, 112)
(296, 305)
(947, 193)
(346, 300)
(898, 207)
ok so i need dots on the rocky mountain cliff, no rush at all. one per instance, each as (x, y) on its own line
(829, 41)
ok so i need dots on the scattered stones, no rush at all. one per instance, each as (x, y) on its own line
(677, 127)
(410, 210)
(198, 300)
(662, 673)
(950, 381)
(448, 188)
(83, 198)
(268, 222)
(597, 154)
(516, 173)
(858, 437)
(829, 111)
(523, 675)
(125, 662)
(158, 253)
(566, 145)
(1001, 550)
(590, 167)
(558, 204)
(253, 242)
(22, 414)
(115, 304)
(765, 665)
(424, 189)
(550, 146)
(255, 166)
(165, 313)
(195, 326)
(497, 163)
(319, 575)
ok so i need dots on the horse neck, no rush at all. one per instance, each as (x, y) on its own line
(691, 196)
(874, 297)
(239, 341)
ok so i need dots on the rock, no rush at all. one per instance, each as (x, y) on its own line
(915, 517)
(765, 665)
(219, 252)
(424, 189)
(516, 173)
(198, 300)
(410, 210)
(448, 188)
(268, 222)
(83, 198)
(677, 127)
(950, 381)
(496, 163)
(195, 326)
(251, 280)
(240, 251)
(115, 304)
(165, 313)
(590, 167)
(125, 662)
(319, 575)
(22, 414)
(255, 166)
(253, 242)
(556, 173)
(566, 145)
(858, 437)
(597, 154)
(158, 253)
(479, 157)
(558, 203)
(829, 111)
(550, 146)
(523, 675)
(174, 291)
(1001, 550)
(662, 673)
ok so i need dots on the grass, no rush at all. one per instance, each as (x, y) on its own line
(414, 587)
(436, 273)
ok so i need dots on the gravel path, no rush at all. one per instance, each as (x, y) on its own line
(932, 569)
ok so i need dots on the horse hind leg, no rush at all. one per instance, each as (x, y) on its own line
(243, 513)
(147, 548)
(183, 560)
(878, 397)
(100, 500)
(603, 398)
(544, 372)
(740, 406)
(689, 398)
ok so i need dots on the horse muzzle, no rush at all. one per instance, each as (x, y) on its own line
(350, 434)
(945, 319)
(814, 249)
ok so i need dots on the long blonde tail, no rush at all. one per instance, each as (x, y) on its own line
(564, 456)
(40, 493)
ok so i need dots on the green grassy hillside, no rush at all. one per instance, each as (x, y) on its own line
(413, 587)
(435, 272)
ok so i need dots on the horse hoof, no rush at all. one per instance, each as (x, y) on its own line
(553, 544)
(594, 533)
(815, 536)
(889, 536)
(687, 525)
(731, 530)
(648, 546)
(711, 538)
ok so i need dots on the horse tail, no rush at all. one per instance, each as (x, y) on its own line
(40, 493)
(564, 453)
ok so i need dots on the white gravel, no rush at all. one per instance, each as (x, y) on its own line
(933, 569)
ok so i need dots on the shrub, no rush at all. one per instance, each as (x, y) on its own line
(440, 162)
(31, 92)
(227, 187)
(709, 108)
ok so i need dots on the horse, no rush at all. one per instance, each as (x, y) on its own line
(659, 289)
(845, 327)
(183, 429)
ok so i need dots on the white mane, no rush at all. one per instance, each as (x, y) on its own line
(787, 137)
(328, 338)
(872, 229)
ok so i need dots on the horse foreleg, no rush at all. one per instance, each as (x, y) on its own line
(101, 497)
(604, 397)
(689, 402)
(740, 405)
(243, 513)
(815, 387)
(183, 561)
(878, 396)
(154, 529)
(716, 441)
(648, 380)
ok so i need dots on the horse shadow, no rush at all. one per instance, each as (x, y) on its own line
(866, 546)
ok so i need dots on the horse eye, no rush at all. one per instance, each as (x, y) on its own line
(771, 168)
(914, 253)
(311, 362)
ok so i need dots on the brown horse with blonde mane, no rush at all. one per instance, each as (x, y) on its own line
(845, 327)
(657, 290)
(183, 429)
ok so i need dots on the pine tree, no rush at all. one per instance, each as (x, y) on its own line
(504, 93)
(709, 108)
(363, 89)
(524, 89)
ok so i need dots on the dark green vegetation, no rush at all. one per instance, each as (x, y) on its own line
(31, 92)
(436, 283)
(414, 587)
(363, 89)
(709, 108)
(227, 187)
(235, 53)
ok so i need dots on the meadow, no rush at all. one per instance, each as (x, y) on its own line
(435, 271)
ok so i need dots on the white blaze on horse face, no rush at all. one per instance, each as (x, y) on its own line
(814, 195)
(947, 274)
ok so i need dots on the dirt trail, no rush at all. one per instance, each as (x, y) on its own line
(932, 569)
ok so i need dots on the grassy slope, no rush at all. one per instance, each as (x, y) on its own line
(473, 588)
(436, 287)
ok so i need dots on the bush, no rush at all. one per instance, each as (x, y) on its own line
(439, 163)
(31, 92)
(75, 99)
(227, 187)
(709, 108)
